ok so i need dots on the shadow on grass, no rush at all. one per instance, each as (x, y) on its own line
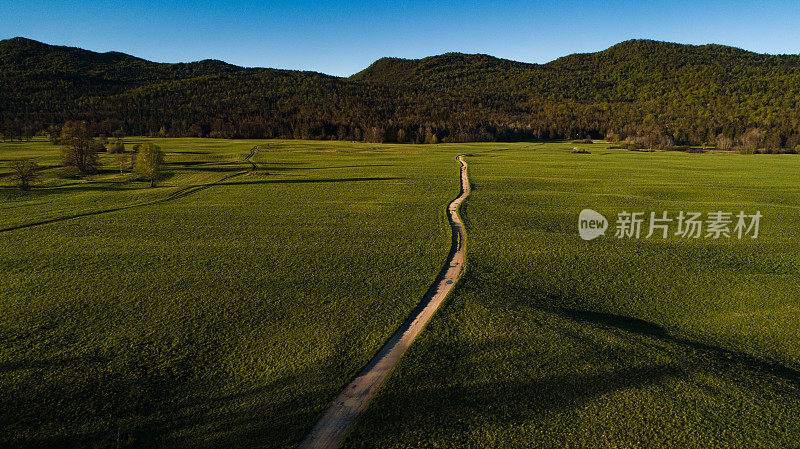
(307, 181)
(143, 400)
(187, 152)
(448, 397)
(550, 367)
(548, 303)
(201, 163)
(54, 401)
(653, 330)
(188, 190)
(20, 365)
(207, 167)
(43, 191)
(346, 166)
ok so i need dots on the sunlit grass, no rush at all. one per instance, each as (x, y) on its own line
(227, 317)
(230, 316)
(550, 341)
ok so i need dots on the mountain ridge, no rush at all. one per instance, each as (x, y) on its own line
(677, 92)
(638, 44)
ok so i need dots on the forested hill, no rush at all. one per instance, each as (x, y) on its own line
(654, 92)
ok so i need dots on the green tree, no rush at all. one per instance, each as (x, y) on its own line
(77, 147)
(24, 172)
(149, 161)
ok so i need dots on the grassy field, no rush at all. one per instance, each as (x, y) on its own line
(227, 315)
(226, 308)
(551, 341)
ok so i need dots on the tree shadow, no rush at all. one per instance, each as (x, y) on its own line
(653, 330)
(187, 152)
(289, 166)
(130, 403)
(306, 181)
(23, 365)
(444, 396)
(452, 386)
(350, 166)
(199, 163)
(558, 304)
(41, 191)
(207, 165)
(136, 402)
(212, 168)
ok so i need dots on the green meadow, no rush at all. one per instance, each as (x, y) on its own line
(227, 306)
(552, 341)
(213, 310)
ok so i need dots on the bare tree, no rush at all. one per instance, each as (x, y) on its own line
(651, 140)
(665, 141)
(77, 148)
(773, 142)
(122, 160)
(752, 139)
(24, 172)
(724, 142)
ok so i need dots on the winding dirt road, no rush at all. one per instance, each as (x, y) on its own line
(332, 427)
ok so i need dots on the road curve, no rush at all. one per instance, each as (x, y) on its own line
(332, 427)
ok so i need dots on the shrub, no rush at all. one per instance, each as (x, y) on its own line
(97, 146)
(631, 146)
(116, 147)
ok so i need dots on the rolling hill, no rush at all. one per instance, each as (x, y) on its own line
(652, 91)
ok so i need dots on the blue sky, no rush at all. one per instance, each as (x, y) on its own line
(341, 38)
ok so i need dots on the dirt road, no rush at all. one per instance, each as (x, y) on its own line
(332, 427)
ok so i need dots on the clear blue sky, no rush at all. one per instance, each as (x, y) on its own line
(341, 38)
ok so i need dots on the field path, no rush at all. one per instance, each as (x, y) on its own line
(332, 427)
